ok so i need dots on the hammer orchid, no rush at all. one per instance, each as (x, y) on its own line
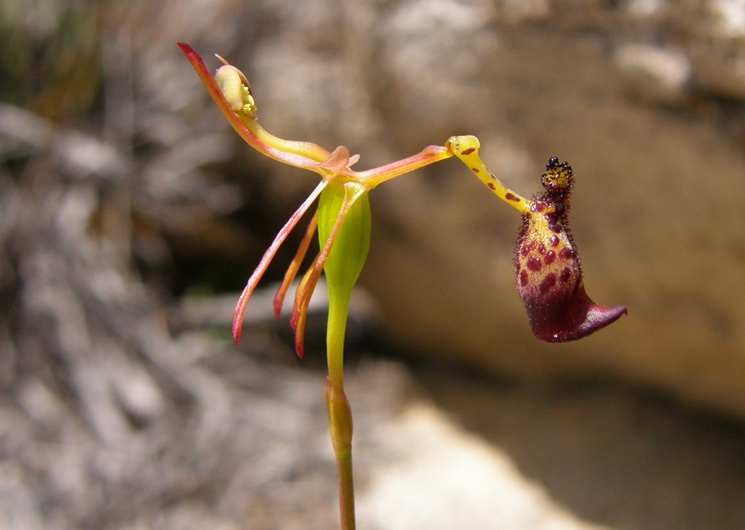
(549, 277)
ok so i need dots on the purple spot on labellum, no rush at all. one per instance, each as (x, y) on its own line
(547, 283)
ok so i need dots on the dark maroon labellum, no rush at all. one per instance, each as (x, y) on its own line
(550, 283)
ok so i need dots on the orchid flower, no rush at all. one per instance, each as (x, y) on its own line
(547, 266)
(343, 217)
(549, 277)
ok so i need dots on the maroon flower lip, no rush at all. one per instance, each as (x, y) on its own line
(570, 316)
(547, 266)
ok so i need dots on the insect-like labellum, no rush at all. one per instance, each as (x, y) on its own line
(549, 275)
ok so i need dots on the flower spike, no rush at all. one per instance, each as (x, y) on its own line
(547, 266)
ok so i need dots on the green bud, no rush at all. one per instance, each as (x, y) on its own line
(349, 251)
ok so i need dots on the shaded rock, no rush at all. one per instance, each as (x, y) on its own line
(439, 477)
(666, 73)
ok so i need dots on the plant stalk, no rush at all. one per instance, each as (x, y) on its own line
(340, 414)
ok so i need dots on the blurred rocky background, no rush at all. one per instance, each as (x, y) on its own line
(131, 216)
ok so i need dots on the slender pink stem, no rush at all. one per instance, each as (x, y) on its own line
(300, 307)
(429, 155)
(266, 259)
(294, 267)
(340, 425)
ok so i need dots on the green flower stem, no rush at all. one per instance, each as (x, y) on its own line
(337, 405)
(343, 217)
(335, 334)
(340, 414)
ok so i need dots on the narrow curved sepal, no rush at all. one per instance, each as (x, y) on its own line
(549, 275)
(266, 259)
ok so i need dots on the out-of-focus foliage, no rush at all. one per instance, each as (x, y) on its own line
(50, 56)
